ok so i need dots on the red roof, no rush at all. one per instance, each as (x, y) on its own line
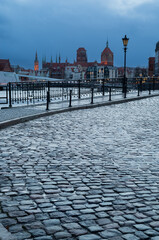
(81, 49)
(107, 51)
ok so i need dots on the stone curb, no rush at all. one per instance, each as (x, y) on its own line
(5, 235)
(12, 122)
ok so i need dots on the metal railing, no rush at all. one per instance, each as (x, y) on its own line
(64, 90)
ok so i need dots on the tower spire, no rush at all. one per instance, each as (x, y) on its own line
(36, 62)
(59, 58)
(36, 56)
(107, 43)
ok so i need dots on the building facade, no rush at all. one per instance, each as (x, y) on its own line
(81, 55)
(151, 66)
(157, 59)
(5, 65)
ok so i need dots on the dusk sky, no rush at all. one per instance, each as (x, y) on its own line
(62, 26)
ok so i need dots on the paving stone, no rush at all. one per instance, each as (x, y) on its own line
(43, 238)
(141, 235)
(16, 228)
(78, 232)
(71, 226)
(103, 221)
(87, 217)
(109, 234)
(51, 222)
(130, 237)
(89, 237)
(33, 225)
(141, 227)
(62, 235)
(22, 235)
(151, 232)
(154, 224)
(53, 229)
(37, 232)
(95, 228)
(26, 219)
(7, 222)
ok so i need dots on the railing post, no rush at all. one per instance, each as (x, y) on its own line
(79, 89)
(70, 102)
(92, 90)
(6, 95)
(153, 81)
(47, 102)
(33, 93)
(138, 94)
(125, 92)
(149, 88)
(103, 87)
(10, 96)
(110, 97)
(141, 84)
(49, 90)
(27, 84)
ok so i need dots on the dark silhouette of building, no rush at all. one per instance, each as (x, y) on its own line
(151, 66)
(81, 55)
(107, 57)
(157, 59)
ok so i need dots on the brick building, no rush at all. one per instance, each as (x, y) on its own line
(5, 65)
(151, 66)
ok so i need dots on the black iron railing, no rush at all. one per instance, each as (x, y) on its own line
(38, 92)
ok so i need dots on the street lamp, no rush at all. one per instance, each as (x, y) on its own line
(125, 43)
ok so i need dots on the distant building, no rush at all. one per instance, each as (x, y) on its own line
(100, 72)
(56, 70)
(157, 59)
(5, 65)
(107, 57)
(81, 55)
(36, 63)
(130, 72)
(81, 68)
(73, 72)
(140, 72)
(151, 66)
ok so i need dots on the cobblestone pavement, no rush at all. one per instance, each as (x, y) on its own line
(85, 175)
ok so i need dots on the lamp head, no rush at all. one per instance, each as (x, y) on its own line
(125, 41)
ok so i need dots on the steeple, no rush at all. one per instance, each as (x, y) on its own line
(36, 56)
(107, 43)
(51, 60)
(56, 58)
(59, 58)
(36, 62)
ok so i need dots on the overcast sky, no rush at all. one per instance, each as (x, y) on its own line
(62, 26)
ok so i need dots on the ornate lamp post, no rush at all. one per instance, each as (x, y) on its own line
(125, 43)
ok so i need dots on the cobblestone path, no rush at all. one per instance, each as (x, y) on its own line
(85, 175)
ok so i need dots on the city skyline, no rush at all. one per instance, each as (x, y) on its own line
(53, 27)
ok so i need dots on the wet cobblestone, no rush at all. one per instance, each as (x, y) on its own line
(90, 174)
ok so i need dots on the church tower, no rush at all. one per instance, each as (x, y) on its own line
(107, 57)
(81, 55)
(36, 63)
